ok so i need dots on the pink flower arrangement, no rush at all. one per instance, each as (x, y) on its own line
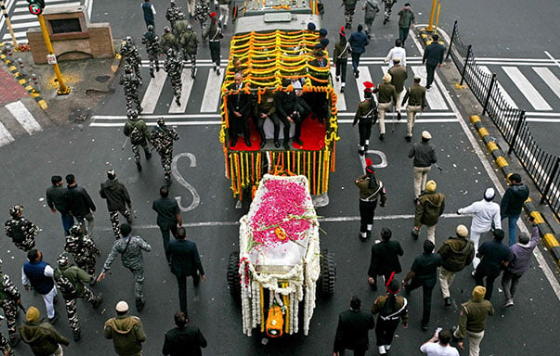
(281, 214)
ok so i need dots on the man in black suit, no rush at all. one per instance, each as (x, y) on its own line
(292, 107)
(352, 330)
(168, 216)
(184, 339)
(239, 107)
(433, 57)
(185, 262)
(384, 258)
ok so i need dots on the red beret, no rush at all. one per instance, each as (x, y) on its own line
(212, 15)
(369, 86)
(342, 31)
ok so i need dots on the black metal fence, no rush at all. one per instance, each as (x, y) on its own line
(541, 165)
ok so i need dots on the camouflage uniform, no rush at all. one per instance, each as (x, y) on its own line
(189, 44)
(20, 230)
(131, 56)
(388, 7)
(130, 248)
(139, 135)
(202, 13)
(117, 198)
(83, 249)
(168, 41)
(349, 10)
(70, 282)
(9, 299)
(151, 41)
(5, 346)
(131, 83)
(174, 68)
(162, 139)
(173, 14)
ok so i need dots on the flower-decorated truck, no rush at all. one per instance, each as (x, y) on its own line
(280, 266)
(272, 43)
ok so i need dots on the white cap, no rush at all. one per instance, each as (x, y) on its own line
(426, 135)
(489, 194)
(122, 306)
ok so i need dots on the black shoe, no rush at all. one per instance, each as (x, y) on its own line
(287, 145)
(342, 88)
(152, 74)
(168, 181)
(385, 21)
(362, 238)
(408, 138)
(276, 143)
(428, 87)
(157, 69)
(54, 318)
(138, 166)
(399, 116)
(14, 340)
(178, 101)
(361, 152)
(424, 327)
(77, 335)
(248, 142)
(140, 303)
(381, 137)
(263, 143)
(218, 71)
(414, 235)
(98, 301)
(348, 26)
(447, 302)
(55, 299)
(233, 142)
(140, 109)
(298, 141)
(148, 155)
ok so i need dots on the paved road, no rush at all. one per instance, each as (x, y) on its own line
(89, 151)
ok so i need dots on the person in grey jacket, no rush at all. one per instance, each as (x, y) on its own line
(117, 200)
(371, 8)
(424, 154)
(520, 261)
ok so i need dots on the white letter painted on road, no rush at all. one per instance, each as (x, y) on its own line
(179, 178)
(381, 155)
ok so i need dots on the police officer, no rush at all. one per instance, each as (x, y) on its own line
(151, 41)
(162, 139)
(139, 134)
(387, 97)
(131, 56)
(366, 115)
(398, 77)
(349, 10)
(214, 35)
(189, 44)
(172, 13)
(70, 282)
(416, 96)
(168, 40)
(131, 83)
(10, 299)
(371, 190)
(130, 248)
(174, 68)
(20, 230)
(83, 249)
(118, 199)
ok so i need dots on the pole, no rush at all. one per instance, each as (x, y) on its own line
(517, 129)
(485, 106)
(433, 12)
(437, 17)
(452, 39)
(550, 179)
(466, 63)
(62, 89)
(8, 23)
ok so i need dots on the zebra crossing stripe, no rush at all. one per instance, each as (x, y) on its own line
(341, 103)
(151, 97)
(526, 88)
(212, 92)
(549, 78)
(365, 76)
(186, 88)
(5, 136)
(24, 117)
(505, 95)
(433, 96)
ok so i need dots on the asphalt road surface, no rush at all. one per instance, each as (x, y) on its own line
(211, 218)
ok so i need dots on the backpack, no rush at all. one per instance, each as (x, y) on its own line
(131, 130)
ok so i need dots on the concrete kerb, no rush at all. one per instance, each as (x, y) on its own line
(546, 232)
(13, 69)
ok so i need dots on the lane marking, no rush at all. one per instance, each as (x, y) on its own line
(212, 92)
(186, 88)
(550, 79)
(504, 93)
(8, 4)
(552, 58)
(433, 97)
(24, 117)
(5, 136)
(365, 76)
(341, 102)
(151, 97)
(526, 88)
(179, 178)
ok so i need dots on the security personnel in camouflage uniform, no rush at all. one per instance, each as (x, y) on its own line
(366, 116)
(10, 298)
(201, 13)
(20, 230)
(70, 282)
(162, 139)
(416, 96)
(371, 190)
(180, 26)
(174, 68)
(388, 7)
(130, 248)
(189, 44)
(83, 249)
(5, 346)
(139, 134)
(131, 84)
(151, 41)
(131, 56)
(117, 200)
(167, 41)
(172, 13)
(349, 10)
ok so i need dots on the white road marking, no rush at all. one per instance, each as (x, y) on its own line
(526, 88)
(505, 95)
(18, 35)
(212, 93)
(5, 136)
(8, 5)
(341, 102)
(151, 97)
(365, 76)
(24, 117)
(550, 79)
(186, 88)
(25, 24)
(552, 58)
(179, 178)
(494, 177)
(433, 96)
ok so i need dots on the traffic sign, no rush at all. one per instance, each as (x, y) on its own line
(35, 9)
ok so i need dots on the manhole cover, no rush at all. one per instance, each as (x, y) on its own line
(102, 78)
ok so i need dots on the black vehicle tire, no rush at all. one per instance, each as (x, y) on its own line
(233, 278)
(328, 273)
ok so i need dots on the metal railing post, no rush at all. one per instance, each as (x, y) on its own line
(550, 179)
(451, 40)
(466, 63)
(492, 81)
(516, 133)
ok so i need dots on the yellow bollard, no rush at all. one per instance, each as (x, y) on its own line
(437, 17)
(431, 25)
(62, 89)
